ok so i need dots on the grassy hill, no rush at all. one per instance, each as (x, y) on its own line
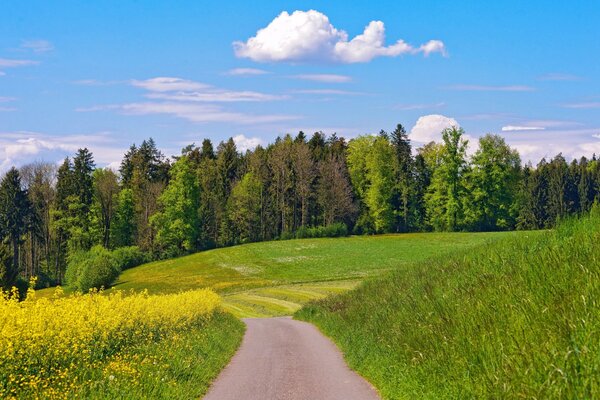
(276, 278)
(518, 319)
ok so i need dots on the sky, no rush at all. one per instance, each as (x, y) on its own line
(107, 74)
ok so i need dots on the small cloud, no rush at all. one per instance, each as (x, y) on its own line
(583, 106)
(168, 84)
(2, 73)
(246, 71)
(305, 36)
(216, 96)
(429, 128)
(244, 143)
(410, 107)
(487, 88)
(95, 82)
(328, 91)
(11, 63)
(37, 46)
(559, 77)
(512, 128)
(328, 78)
(596, 135)
(4, 99)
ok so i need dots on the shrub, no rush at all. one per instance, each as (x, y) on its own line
(92, 269)
(129, 257)
(337, 229)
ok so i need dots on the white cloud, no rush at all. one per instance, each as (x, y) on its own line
(19, 148)
(329, 78)
(309, 36)
(328, 91)
(37, 46)
(216, 96)
(511, 128)
(11, 63)
(244, 143)
(429, 128)
(586, 105)
(246, 71)
(488, 88)
(556, 76)
(168, 84)
(199, 112)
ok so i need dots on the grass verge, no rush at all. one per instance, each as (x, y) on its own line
(519, 318)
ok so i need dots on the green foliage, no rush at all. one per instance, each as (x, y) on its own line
(373, 166)
(177, 224)
(124, 225)
(334, 230)
(129, 257)
(443, 200)
(15, 221)
(492, 184)
(95, 268)
(516, 319)
(243, 210)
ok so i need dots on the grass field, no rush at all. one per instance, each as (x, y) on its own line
(276, 278)
(518, 319)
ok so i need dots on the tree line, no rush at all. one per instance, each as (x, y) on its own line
(294, 187)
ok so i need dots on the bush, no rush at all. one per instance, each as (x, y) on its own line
(334, 230)
(92, 269)
(129, 257)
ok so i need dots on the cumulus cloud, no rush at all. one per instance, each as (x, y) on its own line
(246, 71)
(37, 46)
(309, 36)
(19, 148)
(244, 143)
(328, 78)
(429, 128)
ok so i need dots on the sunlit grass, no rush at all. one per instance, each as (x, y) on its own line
(519, 318)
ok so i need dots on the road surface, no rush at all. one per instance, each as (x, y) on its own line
(284, 359)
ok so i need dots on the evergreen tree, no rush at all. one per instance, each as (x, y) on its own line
(124, 226)
(15, 215)
(404, 179)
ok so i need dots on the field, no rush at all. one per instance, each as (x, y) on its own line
(276, 278)
(114, 346)
(517, 319)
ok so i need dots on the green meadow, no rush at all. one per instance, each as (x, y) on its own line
(278, 277)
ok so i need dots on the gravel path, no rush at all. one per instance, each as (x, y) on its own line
(284, 359)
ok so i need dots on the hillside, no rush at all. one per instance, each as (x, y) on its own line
(518, 319)
(276, 278)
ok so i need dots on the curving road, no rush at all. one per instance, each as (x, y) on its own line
(284, 359)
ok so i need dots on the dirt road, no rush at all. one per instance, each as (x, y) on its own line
(283, 359)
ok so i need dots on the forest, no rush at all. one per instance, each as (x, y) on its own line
(79, 225)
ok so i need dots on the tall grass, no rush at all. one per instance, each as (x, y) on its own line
(519, 318)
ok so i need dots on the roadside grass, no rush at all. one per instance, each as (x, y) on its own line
(181, 367)
(519, 318)
(242, 273)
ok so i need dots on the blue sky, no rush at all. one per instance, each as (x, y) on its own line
(111, 73)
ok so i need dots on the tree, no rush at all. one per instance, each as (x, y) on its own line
(243, 210)
(334, 192)
(492, 183)
(124, 226)
(404, 177)
(106, 188)
(443, 199)
(177, 224)
(304, 173)
(15, 214)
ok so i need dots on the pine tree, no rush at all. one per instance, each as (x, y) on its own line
(15, 214)
(404, 179)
